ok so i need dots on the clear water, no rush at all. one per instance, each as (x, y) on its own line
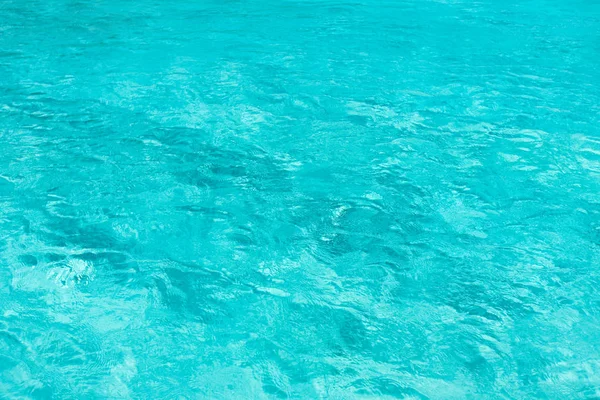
(299, 199)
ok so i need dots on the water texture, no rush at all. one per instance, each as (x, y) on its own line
(299, 199)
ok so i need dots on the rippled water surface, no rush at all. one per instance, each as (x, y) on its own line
(299, 199)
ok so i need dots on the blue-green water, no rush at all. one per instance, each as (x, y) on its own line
(299, 199)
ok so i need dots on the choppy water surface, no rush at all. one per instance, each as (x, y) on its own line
(299, 199)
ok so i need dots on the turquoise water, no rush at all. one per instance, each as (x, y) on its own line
(299, 199)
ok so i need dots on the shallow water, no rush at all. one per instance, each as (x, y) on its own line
(299, 199)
